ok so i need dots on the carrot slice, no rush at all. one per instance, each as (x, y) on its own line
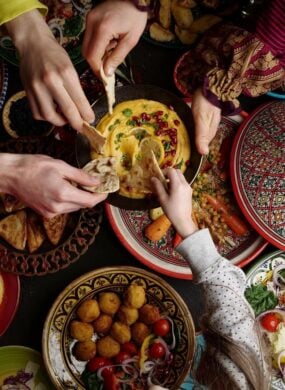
(217, 204)
(236, 224)
(158, 228)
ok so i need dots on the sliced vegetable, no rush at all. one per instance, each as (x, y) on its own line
(158, 228)
(270, 321)
(144, 351)
(155, 213)
(278, 276)
(161, 327)
(130, 347)
(98, 362)
(121, 357)
(177, 240)
(236, 224)
(260, 298)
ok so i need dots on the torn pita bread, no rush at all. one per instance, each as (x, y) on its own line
(14, 229)
(105, 169)
(96, 139)
(11, 203)
(109, 84)
(54, 227)
(35, 232)
(138, 179)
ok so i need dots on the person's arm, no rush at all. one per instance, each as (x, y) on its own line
(9, 10)
(45, 184)
(113, 28)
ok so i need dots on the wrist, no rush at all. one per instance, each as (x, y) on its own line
(186, 228)
(9, 164)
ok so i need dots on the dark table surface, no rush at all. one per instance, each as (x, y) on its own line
(153, 65)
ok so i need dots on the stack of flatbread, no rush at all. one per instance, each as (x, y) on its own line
(23, 228)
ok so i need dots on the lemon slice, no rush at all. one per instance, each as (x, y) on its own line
(154, 144)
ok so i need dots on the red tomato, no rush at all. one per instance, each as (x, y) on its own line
(161, 327)
(130, 347)
(111, 382)
(121, 357)
(156, 350)
(270, 322)
(98, 362)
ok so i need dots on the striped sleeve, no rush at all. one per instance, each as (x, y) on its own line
(270, 28)
(9, 10)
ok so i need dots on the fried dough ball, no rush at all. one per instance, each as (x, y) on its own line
(88, 311)
(128, 315)
(120, 332)
(107, 347)
(135, 296)
(109, 302)
(149, 314)
(103, 324)
(81, 331)
(84, 350)
(139, 332)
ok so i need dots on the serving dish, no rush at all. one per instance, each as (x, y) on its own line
(9, 301)
(131, 92)
(260, 278)
(16, 358)
(3, 82)
(64, 369)
(80, 231)
(258, 171)
(160, 255)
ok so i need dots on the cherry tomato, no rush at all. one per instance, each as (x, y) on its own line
(156, 350)
(161, 327)
(130, 347)
(111, 382)
(121, 357)
(270, 322)
(98, 362)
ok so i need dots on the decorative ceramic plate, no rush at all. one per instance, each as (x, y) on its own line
(3, 82)
(181, 74)
(62, 366)
(9, 299)
(66, 20)
(80, 231)
(15, 358)
(161, 255)
(260, 274)
(258, 171)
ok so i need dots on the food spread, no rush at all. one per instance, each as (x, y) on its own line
(136, 128)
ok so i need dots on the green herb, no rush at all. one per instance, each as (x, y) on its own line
(166, 116)
(260, 298)
(111, 127)
(130, 122)
(126, 161)
(127, 112)
(138, 157)
(140, 135)
(179, 165)
(91, 381)
(167, 146)
(73, 26)
(118, 137)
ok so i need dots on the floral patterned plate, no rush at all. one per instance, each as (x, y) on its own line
(161, 255)
(261, 274)
(80, 231)
(62, 366)
(258, 171)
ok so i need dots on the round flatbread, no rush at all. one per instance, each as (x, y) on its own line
(103, 168)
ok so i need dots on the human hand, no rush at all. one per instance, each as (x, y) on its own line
(44, 184)
(48, 76)
(112, 25)
(206, 119)
(177, 201)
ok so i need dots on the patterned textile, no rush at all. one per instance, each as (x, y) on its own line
(229, 61)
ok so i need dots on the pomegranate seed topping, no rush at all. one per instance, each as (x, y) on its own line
(176, 122)
(159, 113)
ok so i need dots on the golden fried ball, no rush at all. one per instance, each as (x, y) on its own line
(108, 347)
(84, 350)
(81, 331)
(135, 296)
(149, 314)
(109, 302)
(128, 315)
(103, 324)
(120, 332)
(88, 311)
(139, 332)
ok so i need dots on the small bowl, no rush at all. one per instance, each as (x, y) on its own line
(26, 117)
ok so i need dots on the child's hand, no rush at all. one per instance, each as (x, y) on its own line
(177, 202)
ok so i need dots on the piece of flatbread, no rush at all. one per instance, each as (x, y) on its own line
(54, 227)
(11, 203)
(35, 232)
(105, 169)
(109, 84)
(14, 229)
(96, 139)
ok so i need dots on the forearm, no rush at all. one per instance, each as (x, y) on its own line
(10, 10)
(9, 169)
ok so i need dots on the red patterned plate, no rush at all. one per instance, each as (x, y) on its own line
(181, 74)
(258, 171)
(9, 300)
(160, 256)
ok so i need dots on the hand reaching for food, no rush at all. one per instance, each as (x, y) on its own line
(49, 78)
(44, 184)
(105, 32)
(177, 201)
(206, 118)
